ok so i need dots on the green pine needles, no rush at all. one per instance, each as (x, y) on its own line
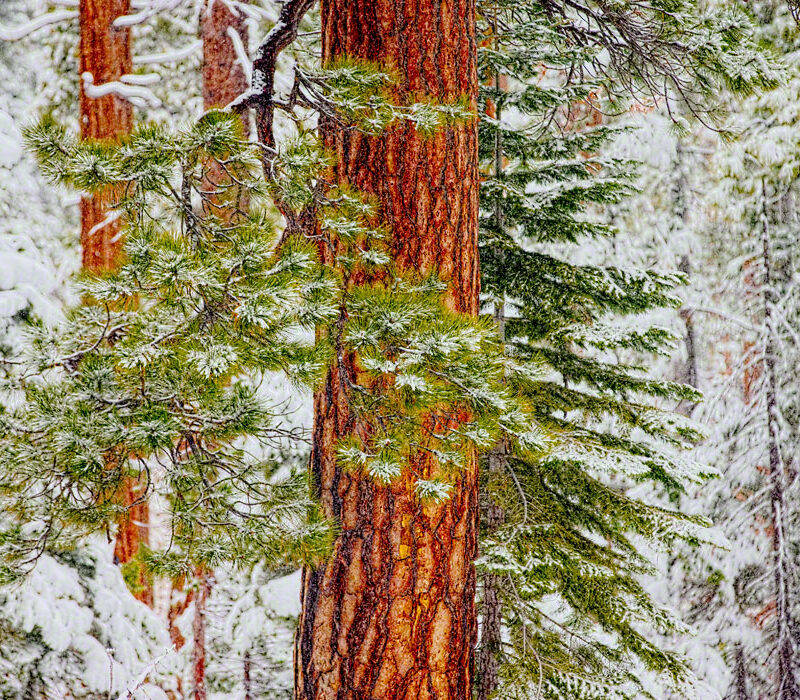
(156, 376)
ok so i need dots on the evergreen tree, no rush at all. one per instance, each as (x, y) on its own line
(155, 376)
(745, 600)
(561, 559)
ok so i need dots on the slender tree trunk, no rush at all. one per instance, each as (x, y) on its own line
(684, 214)
(739, 690)
(488, 655)
(105, 55)
(391, 615)
(788, 688)
(199, 634)
(224, 79)
(248, 683)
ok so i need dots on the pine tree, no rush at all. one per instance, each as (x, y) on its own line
(153, 378)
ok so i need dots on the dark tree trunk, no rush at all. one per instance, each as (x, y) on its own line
(788, 688)
(391, 615)
(491, 631)
(248, 683)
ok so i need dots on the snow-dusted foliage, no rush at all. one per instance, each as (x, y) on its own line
(613, 309)
(72, 629)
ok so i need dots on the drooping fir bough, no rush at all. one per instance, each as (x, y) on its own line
(560, 568)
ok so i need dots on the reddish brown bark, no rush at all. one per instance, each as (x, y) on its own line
(132, 532)
(105, 53)
(224, 80)
(223, 77)
(391, 615)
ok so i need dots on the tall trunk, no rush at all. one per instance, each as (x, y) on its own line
(391, 615)
(788, 688)
(684, 265)
(224, 79)
(105, 53)
(199, 634)
(488, 655)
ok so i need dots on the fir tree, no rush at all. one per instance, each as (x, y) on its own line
(562, 561)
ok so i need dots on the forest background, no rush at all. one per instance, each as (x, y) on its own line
(637, 244)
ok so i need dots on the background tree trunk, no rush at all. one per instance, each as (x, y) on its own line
(199, 634)
(392, 613)
(788, 687)
(105, 53)
(224, 79)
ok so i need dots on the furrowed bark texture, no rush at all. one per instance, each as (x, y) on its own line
(391, 615)
(105, 52)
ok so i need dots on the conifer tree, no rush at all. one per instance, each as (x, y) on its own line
(392, 612)
(544, 182)
(154, 377)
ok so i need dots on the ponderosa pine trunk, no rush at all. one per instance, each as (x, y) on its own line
(106, 54)
(391, 614)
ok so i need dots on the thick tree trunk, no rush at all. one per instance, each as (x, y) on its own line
(391, 615)
(105, 53)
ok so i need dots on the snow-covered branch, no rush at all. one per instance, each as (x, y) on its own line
(140, 680)
(137, 94)
(241, 54)
(37, 23)
(169, 56)
(149, 10)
